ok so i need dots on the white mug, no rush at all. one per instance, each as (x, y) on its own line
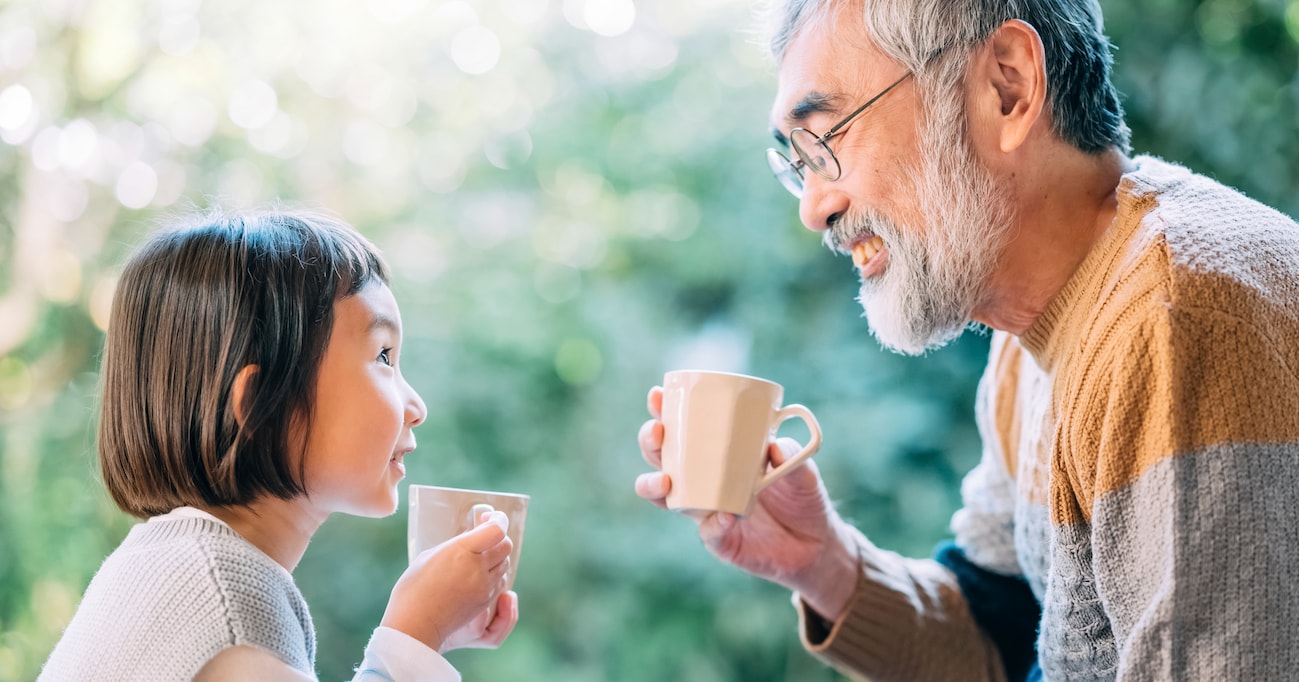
(438, 514)
(716, 430)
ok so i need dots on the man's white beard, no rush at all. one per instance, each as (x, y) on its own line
(936, 273)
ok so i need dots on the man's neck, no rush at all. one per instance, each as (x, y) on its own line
(1065, 203)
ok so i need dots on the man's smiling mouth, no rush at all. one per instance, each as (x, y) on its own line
(870, 255)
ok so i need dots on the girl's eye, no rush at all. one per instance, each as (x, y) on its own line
(385, 358)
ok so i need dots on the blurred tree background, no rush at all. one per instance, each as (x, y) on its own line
(574, 199)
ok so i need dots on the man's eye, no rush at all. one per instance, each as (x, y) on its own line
(385, 358)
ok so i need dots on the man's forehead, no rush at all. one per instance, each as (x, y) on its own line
(802, 93)
(821, 72)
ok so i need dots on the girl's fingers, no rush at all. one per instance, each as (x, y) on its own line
(507, 616)
(509, 603)
(493, 516)
(486, 535)
(500, 573)
(499, 553)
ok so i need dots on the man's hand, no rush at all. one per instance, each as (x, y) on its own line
(793, 537)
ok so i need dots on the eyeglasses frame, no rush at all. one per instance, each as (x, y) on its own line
(786, 164)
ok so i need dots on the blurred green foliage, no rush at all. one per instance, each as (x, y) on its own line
(573, 203)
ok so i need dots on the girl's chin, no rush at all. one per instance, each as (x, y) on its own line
(379, 508)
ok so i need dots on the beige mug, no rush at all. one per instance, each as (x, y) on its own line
(716, 430)
(438, 514)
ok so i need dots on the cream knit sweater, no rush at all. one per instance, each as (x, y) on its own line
(1141, 459)
(175, 593)
(184, 586)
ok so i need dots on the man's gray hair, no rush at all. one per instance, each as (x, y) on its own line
(1084, 105)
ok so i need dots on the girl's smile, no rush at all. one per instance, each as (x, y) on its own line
(364, 409)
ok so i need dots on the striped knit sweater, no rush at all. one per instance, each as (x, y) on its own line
(1133, 514)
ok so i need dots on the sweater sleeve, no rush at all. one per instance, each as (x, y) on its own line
(907, 621)
(1184, 458)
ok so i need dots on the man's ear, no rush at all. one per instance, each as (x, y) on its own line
(239, 390)
(1013, 89)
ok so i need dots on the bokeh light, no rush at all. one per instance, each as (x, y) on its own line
(15, 107)
(609, 18)
(192, 120)
(17, 45)
(137, 185)
(476, 50)
(179, 35)
(253, 104)
(16, 383)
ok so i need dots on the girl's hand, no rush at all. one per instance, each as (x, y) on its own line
(443, 597)
(479, 633)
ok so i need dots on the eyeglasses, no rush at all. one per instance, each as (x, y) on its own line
(813, 152)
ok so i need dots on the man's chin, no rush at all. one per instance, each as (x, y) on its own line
(895, 329)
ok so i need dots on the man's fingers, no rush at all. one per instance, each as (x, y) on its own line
(713, 529)
(650, 439)
(655, 402)
(697, 515)
(782, 449)
(654, 486)
(806, 474)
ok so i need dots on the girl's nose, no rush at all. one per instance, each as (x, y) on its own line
(416, 411)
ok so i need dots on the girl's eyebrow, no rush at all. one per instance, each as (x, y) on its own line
(381, 320)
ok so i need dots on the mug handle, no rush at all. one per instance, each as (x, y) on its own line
(476, 513)
(813, 444)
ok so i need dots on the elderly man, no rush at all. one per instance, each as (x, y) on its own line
(1132, 516)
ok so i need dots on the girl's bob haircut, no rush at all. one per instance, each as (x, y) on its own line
(197, 304)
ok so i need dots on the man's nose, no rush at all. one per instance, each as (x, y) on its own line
(821, 206)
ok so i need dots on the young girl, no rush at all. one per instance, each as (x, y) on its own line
(252, 387)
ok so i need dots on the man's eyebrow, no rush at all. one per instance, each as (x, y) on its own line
(812, 103)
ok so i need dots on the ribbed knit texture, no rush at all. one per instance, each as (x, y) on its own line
(1141, 457)
(170, 597)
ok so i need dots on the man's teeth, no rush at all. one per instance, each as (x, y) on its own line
(863, 251)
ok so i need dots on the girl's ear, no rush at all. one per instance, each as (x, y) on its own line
(238, 390)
